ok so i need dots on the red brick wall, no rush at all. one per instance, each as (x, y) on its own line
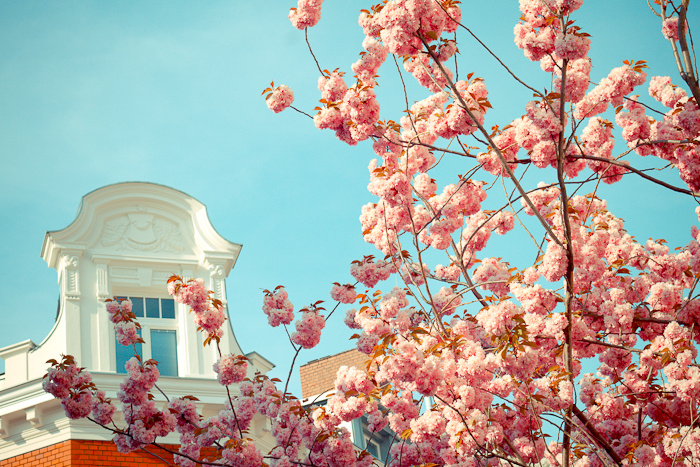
(57, 455)
(318, 376)
(90, 453)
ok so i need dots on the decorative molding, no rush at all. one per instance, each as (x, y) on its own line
(161, 275)
(141, 231)
(187, 272)
(131, 273)
(71, 284)
(216, 271)
(20, 347)
(71, 261)
(4, 427)
(102, 277)
(127, 239)
(35, 416)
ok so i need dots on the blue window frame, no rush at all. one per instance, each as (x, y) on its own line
(164, 351)
(160, 344)
(125, 353)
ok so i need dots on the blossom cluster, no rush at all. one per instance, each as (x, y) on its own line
(277, 307)
(669, 28)
(308, 328)
(306, 14)
(472, 379)
(231, 369)
(674, 132)
(208, 311)
(280, 97)
(124, 321)
(343, 293)
(73, 386)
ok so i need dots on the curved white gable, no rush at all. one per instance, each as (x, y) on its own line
(142, 220)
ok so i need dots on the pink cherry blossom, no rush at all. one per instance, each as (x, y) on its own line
(470, 356)
(669, 28)
(231, 369)
(102, 408)
(370, 272)
(343, 293)
(305, 15)
(308, 329)
(280, 98)
(278, 308)
(571, 46)
(126, 333)
(611, 90)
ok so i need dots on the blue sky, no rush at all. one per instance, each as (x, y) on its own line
(94, 93)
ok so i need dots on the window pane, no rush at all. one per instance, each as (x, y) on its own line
(164, 351)
(167, 307)
(137, 306)
(125, 353)
(372, 449)
(152, 308)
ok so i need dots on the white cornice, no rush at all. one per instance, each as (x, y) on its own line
(32, 419)
(24, 346)
(23, 396)
(261, 363)
(120, 258)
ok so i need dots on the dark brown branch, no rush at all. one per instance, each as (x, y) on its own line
(156, 456)
(613, 346)
(689, 76)
(161, 391)
(640, 173)
(596, 434)
(168, 450)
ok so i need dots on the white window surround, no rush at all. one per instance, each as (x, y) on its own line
(148, 324)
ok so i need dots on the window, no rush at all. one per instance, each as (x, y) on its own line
(159, 331)
(152, 307)
(164, 351)
(125, 353)
(377, 444)
(373, 448)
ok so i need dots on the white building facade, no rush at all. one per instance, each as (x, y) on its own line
(126, 241)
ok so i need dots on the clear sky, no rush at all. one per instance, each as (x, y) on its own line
(94, 93)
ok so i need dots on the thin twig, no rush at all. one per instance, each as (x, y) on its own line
(640, 173)
(306, 36)
(301, 111)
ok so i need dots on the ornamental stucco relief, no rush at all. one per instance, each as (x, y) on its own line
(70, 276)
(162, 275)
(217, 275)
(142, 231)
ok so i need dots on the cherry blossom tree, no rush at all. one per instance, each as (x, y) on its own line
(475, 361)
